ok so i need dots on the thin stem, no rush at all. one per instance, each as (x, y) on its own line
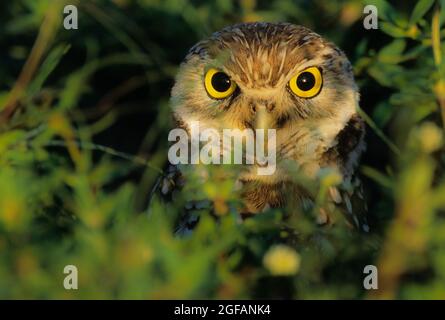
(44, 38)
(378, 131)
(108, 150)
(439, 88)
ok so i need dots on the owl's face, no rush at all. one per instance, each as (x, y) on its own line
(269, 75)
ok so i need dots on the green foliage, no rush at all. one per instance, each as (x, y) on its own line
(84, 118)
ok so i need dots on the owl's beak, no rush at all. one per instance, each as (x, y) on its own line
(262, 116)
(265, 137)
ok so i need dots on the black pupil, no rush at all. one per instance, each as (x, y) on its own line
(221, 82)
(306, 81)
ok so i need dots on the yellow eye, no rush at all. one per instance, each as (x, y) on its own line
(307, 83)
(218, 84)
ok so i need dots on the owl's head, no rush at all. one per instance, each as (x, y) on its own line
(274, 75)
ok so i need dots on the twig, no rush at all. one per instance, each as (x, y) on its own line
(439, 88)
(378, 131)
(108, 150)
(46, 33)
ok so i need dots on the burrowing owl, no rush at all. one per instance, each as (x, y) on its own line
(297, 83)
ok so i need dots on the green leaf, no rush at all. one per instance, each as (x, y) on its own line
(378, 177)
(392, 53)
(383, 113)
(442, 12)
(47, 67)
(385, 10)
(392, 30)
(10, 138)
(361, 48)
(384, 74)
(420, 10)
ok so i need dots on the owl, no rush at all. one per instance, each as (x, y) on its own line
(285, 77)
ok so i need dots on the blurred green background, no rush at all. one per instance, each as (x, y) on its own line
(84, 118)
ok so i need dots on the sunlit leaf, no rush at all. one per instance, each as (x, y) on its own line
(420, 10)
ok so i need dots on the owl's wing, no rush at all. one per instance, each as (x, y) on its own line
(190, 213)
(350, 199)
(345, 155)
